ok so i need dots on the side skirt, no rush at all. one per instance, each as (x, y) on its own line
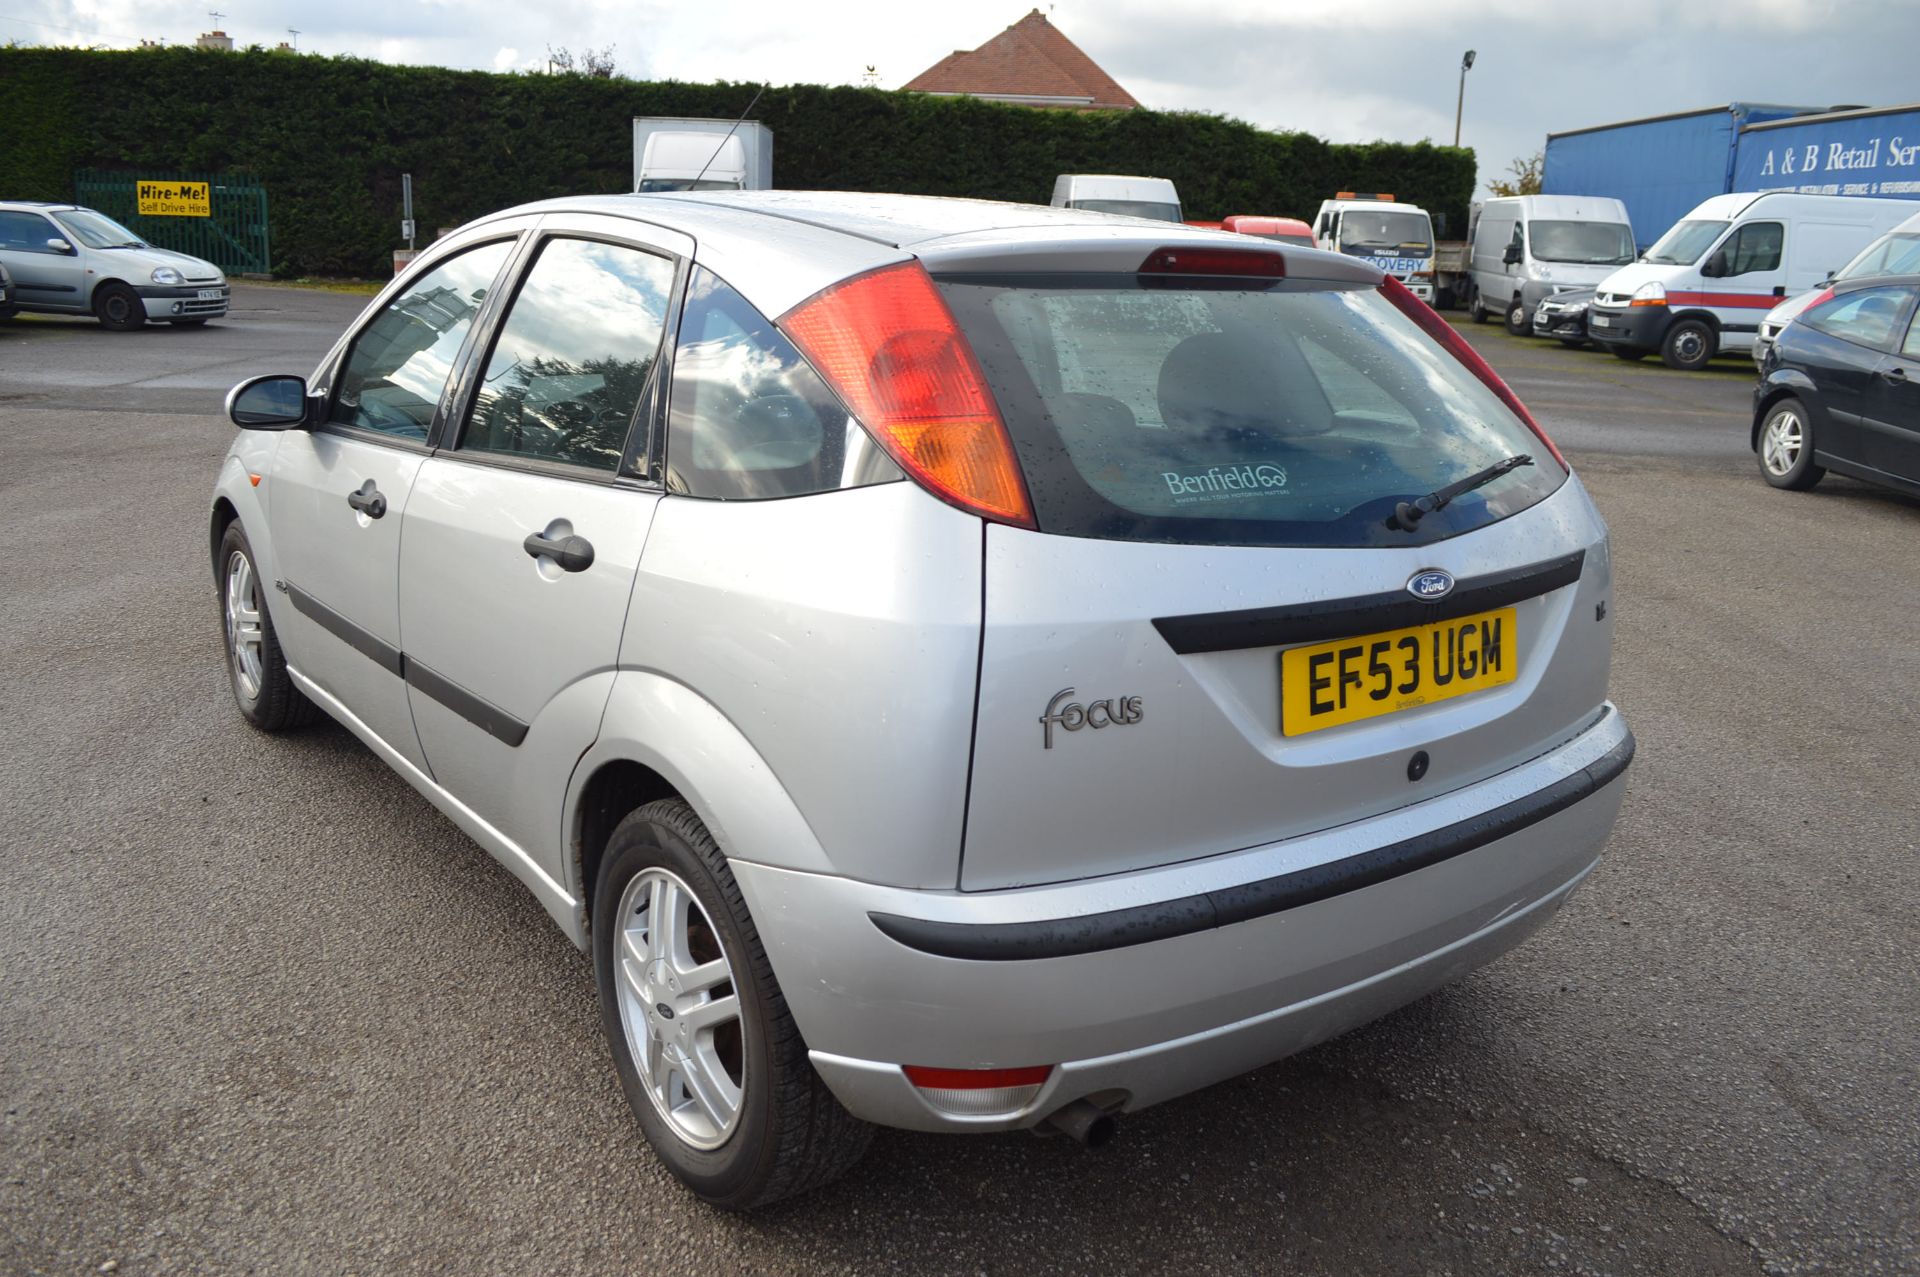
(554, 898)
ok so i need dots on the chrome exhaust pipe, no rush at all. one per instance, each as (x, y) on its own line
(1091, 1126)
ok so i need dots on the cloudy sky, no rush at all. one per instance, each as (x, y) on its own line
(1349, 70)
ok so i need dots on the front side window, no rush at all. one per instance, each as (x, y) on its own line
(1152, 209)
(1754, 247)
(1867, 317)
(748, 418)
(398, 366)
(27, 233)
(573, 356)
(1587, 243)
(96, 230)
(1296, 413)
(1683, 245)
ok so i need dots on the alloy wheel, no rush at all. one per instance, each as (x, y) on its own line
(680, 1008)
(1780, 442)
(245, 638)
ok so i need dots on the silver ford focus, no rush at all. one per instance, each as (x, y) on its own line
(957, 666)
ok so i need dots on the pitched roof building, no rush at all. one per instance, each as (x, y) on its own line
(1030, 63)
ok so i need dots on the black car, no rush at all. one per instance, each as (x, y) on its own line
(1840, 390)
(1564, 316)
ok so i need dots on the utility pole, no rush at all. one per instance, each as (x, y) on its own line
(1466, 65)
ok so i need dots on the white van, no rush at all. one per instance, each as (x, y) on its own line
(1525, 248)
(1390, 236)
(1895, 253)
(1705, 285)
(1152, 197)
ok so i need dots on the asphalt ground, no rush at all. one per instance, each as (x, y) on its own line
(263, 1010)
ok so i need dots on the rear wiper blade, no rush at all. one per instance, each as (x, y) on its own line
(1407, 514)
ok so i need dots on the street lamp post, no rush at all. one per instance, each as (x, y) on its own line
(1466, 64)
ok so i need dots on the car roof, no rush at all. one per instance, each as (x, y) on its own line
(896, 221)
(1844, 286)
(39, 204)
(777, 248)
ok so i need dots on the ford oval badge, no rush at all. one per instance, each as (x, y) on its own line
(1430, 584)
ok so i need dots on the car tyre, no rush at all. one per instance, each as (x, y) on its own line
(665, 892)
(1785, 447)
(1517, 322)
(118, 307)
(1688, 345)
(1477, 308)
(256, 667)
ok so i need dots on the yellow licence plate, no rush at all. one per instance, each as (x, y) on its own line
(1351, 679)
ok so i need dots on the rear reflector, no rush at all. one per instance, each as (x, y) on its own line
(1441, 331)
(976, 1079)
(1214, 261)
(886, 342)
(978, 1092)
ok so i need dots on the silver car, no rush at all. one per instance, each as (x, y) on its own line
(68, 260)
(957, 666)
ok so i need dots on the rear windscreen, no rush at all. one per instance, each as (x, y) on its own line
(1211, 412)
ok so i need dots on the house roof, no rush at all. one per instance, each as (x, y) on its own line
(1030, 60)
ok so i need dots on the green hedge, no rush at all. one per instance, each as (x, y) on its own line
(330, 138)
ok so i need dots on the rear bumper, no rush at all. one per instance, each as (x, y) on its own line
(1355, 922)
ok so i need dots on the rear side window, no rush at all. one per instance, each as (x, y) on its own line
(573, 355)
(1293, 414)
(748, 418)
(1867, 317)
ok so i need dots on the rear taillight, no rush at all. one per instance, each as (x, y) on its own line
(1441, 331)
(978, 1092)
(1215, 261)
(889, 346)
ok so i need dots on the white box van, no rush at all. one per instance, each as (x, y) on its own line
(1388, 235)
(1704, 287)
(1151, 197)
(1525, 248)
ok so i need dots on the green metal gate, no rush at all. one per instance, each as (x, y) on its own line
(234, 237)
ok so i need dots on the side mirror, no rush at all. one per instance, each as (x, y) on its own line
(1512, 256)
(276, 402)
(1715, 267)
(61, 246)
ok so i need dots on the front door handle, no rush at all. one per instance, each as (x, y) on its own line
(1895, 374)
(367, 500)
(572, 553)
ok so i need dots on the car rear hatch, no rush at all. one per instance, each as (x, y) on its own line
(1230, 624)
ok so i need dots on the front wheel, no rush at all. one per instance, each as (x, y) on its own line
(256, 668)
(1689, 344)
(707, 1052)
(1786, 448)
(1517, 322)
(118, 307)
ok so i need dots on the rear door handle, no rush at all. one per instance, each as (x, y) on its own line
(367, 500)
(572, 553)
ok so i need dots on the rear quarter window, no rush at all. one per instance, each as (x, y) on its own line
(1291, 414)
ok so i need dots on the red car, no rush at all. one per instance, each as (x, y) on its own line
(1288, 230)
